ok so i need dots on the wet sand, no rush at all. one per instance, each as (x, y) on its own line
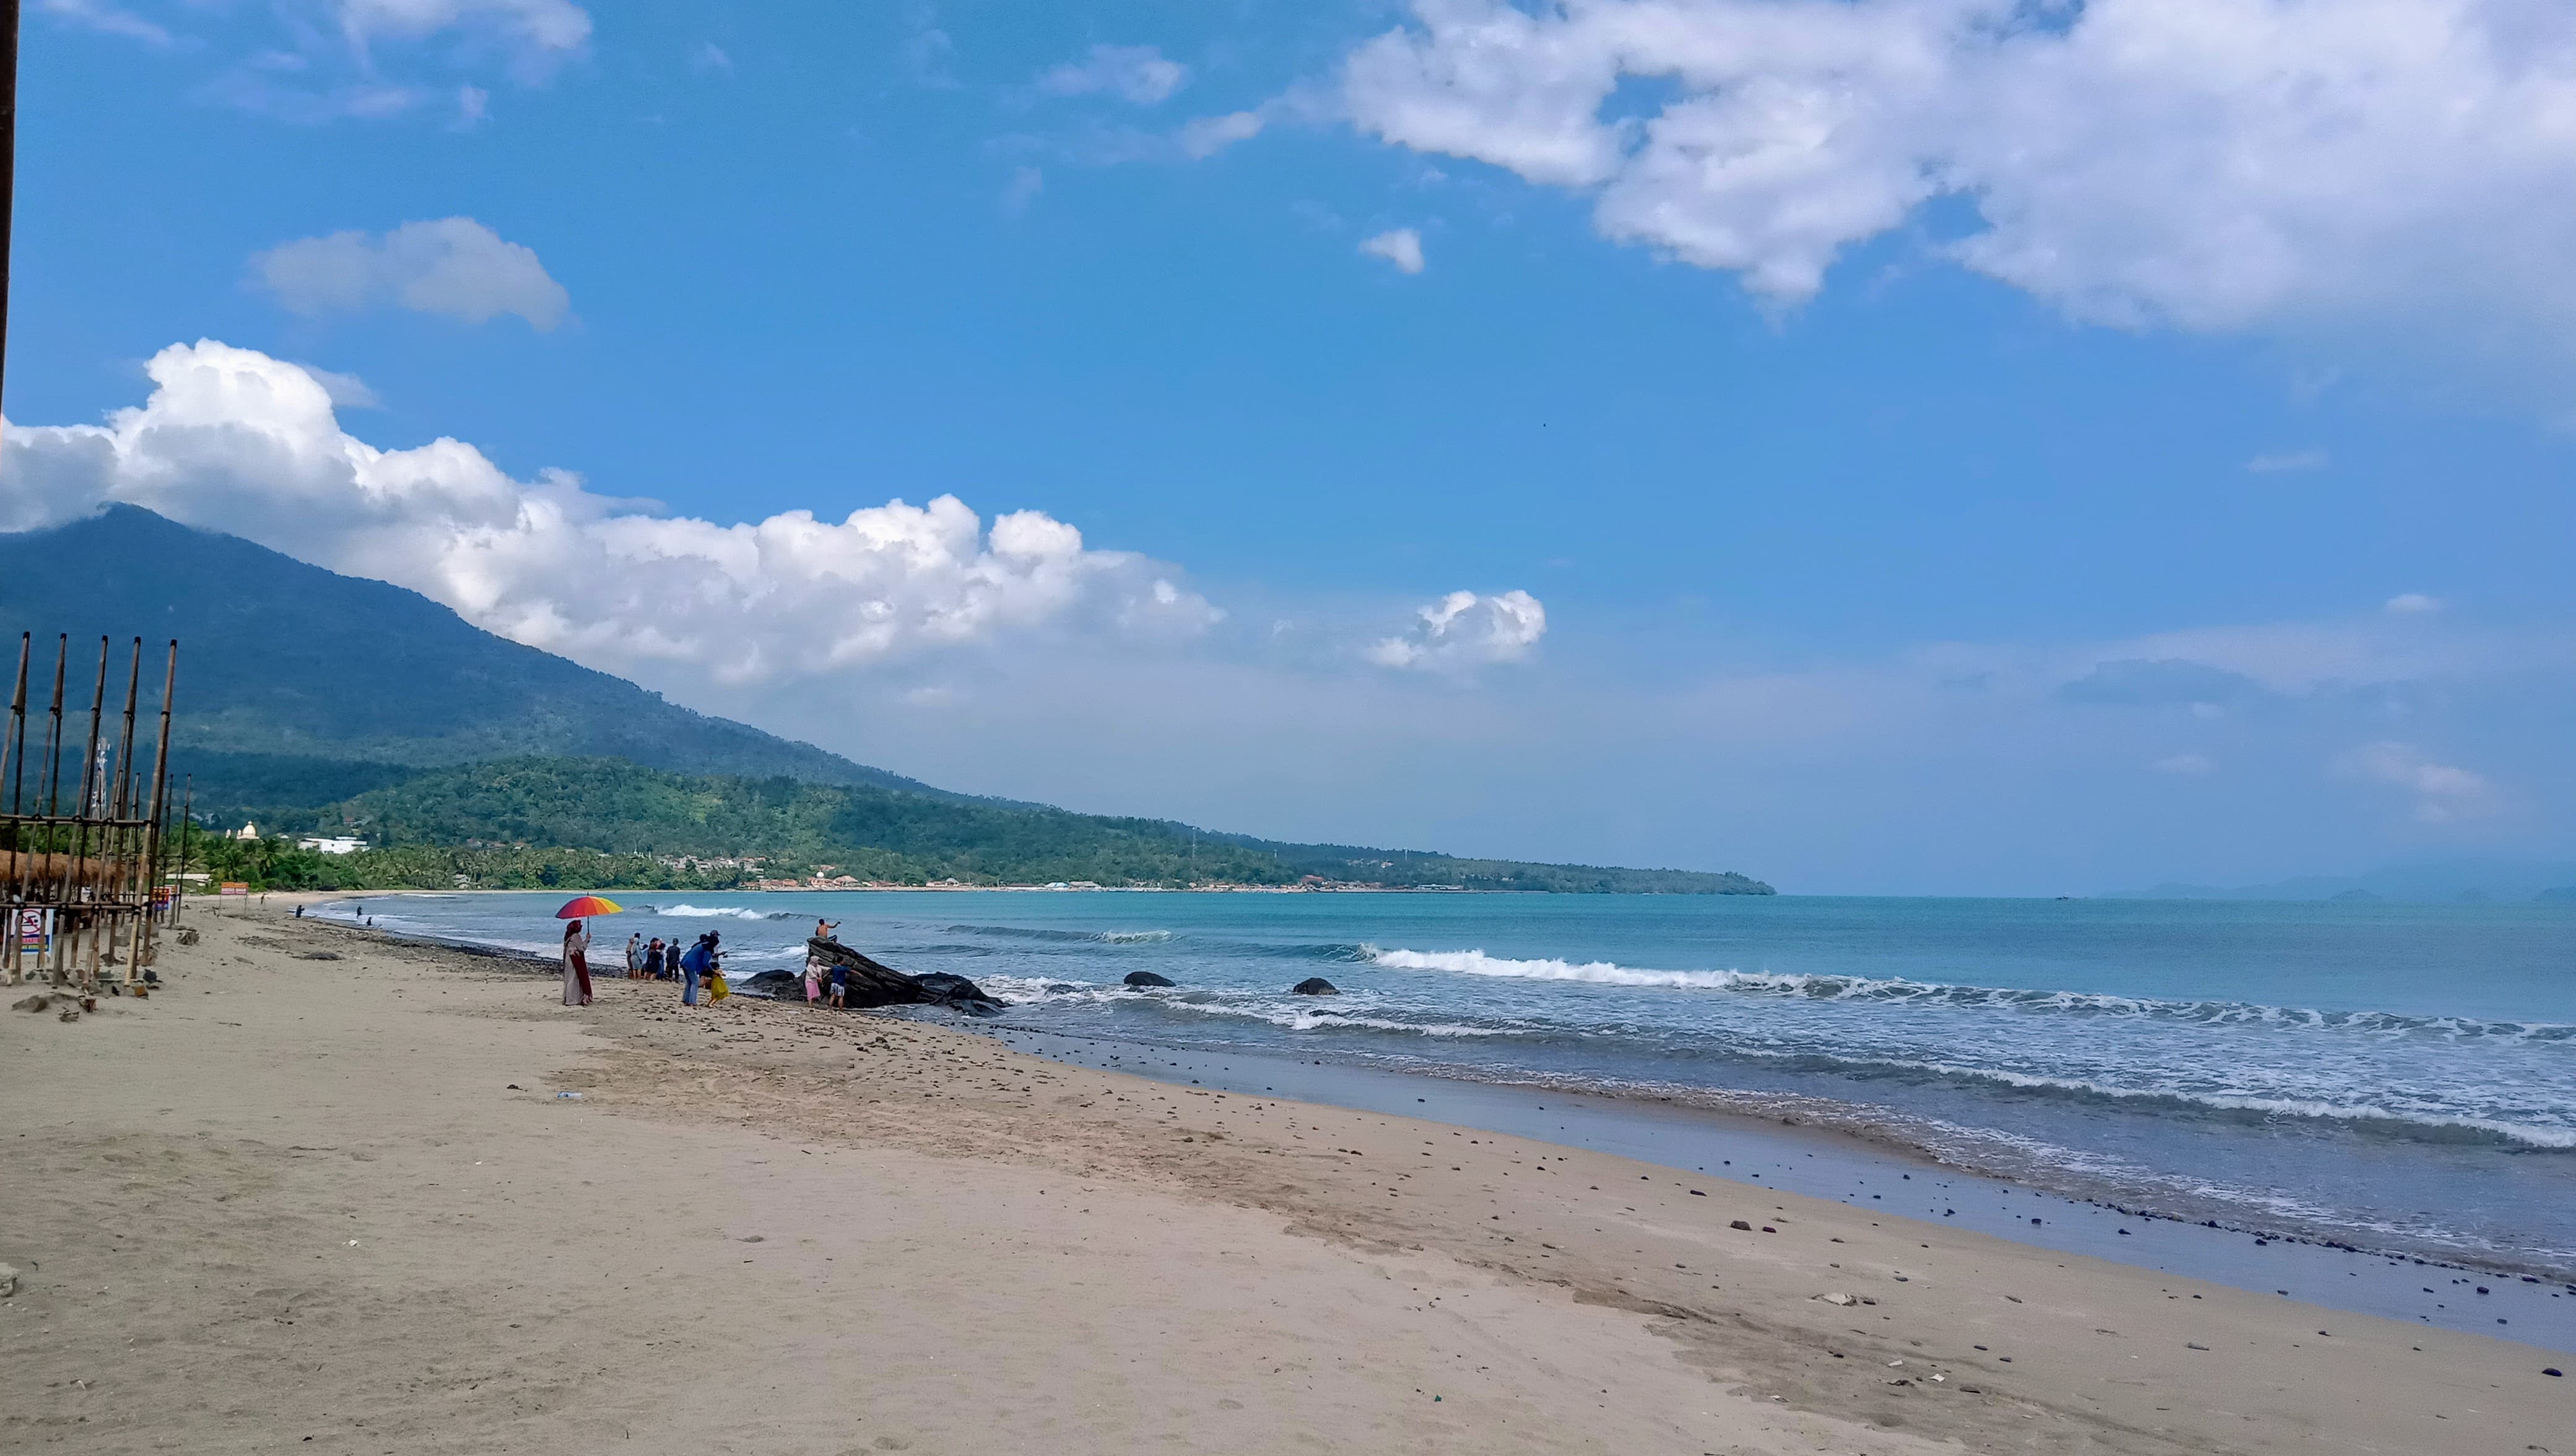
(342, 1199)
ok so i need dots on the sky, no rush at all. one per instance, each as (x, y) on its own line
(1879, 446)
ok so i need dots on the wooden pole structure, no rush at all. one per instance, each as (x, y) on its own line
(187, 826)
(153, 837)
(118, 840)
(14, 748)
(80, 822)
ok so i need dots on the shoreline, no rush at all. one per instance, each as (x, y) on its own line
(305, 1142)
(2195, 1244)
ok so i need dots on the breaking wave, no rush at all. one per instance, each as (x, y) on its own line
(1076, 937)
(1929, 993)
(724, 912)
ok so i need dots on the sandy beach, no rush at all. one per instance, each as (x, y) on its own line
(323, 1192)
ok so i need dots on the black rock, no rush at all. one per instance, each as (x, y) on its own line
(872, 984)
(1147, 978)
(1315, 986)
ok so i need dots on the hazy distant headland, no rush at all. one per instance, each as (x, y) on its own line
(2465, 881)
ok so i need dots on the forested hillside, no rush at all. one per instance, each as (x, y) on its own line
(484, 820)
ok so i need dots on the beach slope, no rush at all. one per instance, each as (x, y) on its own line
(324, 1191)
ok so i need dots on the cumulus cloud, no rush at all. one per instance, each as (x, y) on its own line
(237, 441)
(454, 266)
(2441, 792)
(1402, 247)
(1141, 75)
(1462, 631)
(2210, 165)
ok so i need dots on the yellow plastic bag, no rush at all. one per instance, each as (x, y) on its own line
(717, 990)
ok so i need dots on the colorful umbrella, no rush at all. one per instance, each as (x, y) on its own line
(587, 906)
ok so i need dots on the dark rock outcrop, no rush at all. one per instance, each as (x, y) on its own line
(1147, 978)
(1315, 986)
(872, 984)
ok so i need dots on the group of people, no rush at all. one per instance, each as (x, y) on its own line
(700, 967)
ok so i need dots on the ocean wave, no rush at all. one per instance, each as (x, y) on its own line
(1931, 993)
(1298, 1014)
(1079, 937)
(724, 912)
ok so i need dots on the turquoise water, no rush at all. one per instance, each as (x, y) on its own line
(2401, 1077)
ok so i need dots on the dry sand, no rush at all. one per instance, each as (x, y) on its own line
(299, 1204)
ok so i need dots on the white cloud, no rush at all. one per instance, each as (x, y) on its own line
(1209, 135)
(538, 33)
(2210, 165)
(1463, 630)
(2443, 794)
(1023, 188)
(454, 266)
(237, 441)
(711, 57)
(2413, 603)
(108, 19)
(2285, 461)
(2187, 765)
(1141, 75)
(1402, 247)
(330, 60)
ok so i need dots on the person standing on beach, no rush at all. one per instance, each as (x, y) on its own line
(635, 956)
(695, 963)
(813, 980)
(656, 965)
(576, 964)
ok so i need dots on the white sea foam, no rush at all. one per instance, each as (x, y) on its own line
(1304, 1014)
(712, 912)
(1599, 973)
(1933, 993)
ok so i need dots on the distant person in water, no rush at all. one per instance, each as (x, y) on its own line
(576, 964)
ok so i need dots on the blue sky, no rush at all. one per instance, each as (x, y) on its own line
(1838, 486)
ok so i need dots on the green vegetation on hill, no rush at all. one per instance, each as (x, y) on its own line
(283, 666)
(484, 821)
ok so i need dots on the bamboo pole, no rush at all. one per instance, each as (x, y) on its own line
(80, 820)
(154, 838)
(13, 746)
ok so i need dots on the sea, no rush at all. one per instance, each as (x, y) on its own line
(2396, 1079)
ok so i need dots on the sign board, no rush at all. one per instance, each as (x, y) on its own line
(35, 929)
(236, 887)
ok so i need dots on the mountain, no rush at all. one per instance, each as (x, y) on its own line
(2440, 882)
(299, 687)
(312, 701)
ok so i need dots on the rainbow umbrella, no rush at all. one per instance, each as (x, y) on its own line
(587, 906)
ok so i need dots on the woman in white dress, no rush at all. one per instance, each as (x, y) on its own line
(576, 964)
